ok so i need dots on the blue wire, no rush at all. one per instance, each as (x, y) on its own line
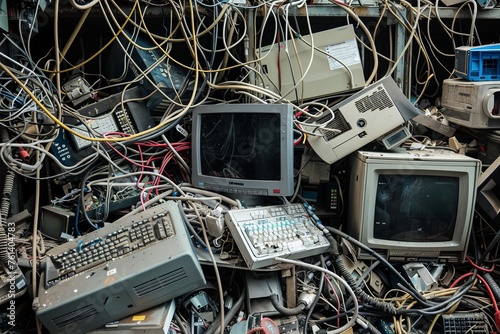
(13, 98)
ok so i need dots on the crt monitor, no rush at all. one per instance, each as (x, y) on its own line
(56, 220)
(413, 205)
(244, 149)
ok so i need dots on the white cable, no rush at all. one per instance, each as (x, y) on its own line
(85, 6)
(408, 43)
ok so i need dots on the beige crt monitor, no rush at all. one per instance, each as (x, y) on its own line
(335, 50)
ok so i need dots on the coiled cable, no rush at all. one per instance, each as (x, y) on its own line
(5, 206)
(358, 291)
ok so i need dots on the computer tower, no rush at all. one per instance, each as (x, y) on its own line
(326, 74)
(365, 116)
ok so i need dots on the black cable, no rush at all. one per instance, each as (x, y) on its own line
(215, 326)
(488, 249)
(285, 310)
(317, 297)
(447, 304)
(362, 295)
(474, 244)
(362, 278)
(409, 288)
(431, 308)
(335, 317)
(192, 230)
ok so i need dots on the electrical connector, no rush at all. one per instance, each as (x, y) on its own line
(497, 319)
(307, 299)
(215, 222)
(25, 156)
(240, 317)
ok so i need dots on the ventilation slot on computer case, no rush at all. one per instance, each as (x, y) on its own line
(377, 100)
(160, 282)
(75, 316)
(338, 123)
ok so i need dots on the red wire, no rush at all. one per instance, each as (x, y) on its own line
(279, 60)
(486, 285)
(148, 164)
(487, 270)
(336, 296)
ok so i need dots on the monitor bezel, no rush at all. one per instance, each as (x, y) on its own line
(362, 198)
(282, 187)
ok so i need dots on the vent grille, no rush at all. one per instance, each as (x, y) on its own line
(75, 316)
(459, 115)
(161, 108)
(160, 282)
(338, 123)
(377, 100)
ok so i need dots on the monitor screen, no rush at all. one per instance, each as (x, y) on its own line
(243, 149)
(412, 205)
(55, 220)
(241, 145)
(416, 208)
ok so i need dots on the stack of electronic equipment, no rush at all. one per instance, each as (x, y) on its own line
(473, 99)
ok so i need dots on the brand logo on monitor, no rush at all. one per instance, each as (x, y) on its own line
(236, 183)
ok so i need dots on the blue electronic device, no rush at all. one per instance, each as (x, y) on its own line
(149, 68)
(478, 63)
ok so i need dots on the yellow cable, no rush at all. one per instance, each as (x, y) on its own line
(113, 139)
(98, 51)
(71, 39)
(195, 36)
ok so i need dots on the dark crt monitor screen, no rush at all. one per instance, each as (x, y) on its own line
(241, 145)
(416, 208)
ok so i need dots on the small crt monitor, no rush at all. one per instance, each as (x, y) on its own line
(413, 205)
(243, 149)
